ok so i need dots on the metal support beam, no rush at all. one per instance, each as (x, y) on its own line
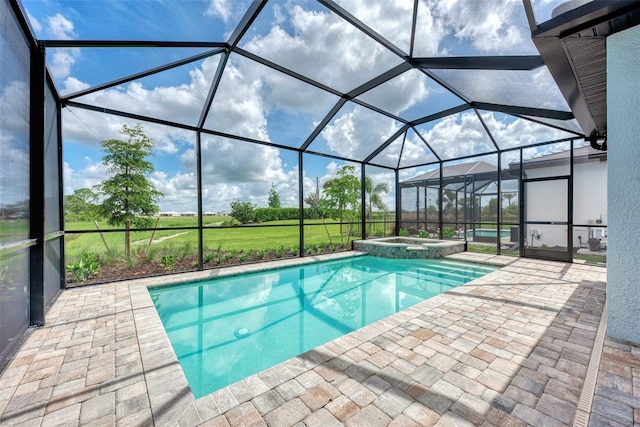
(143, 74)
(199, 195)
(37, 186)
(440, 195)
(131, 43)
(243, 26)
(414, 20)
(212, 89)
(386, 143)
(441, 114)
(363, 201)
(527, 111)
(507, 62)
(377, 81)
(60, 166)
(286, 71)
(338, 10)
(300, 203)
(323, 123)
(398, 201)
(499, 212)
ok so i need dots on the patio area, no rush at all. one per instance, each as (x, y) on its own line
(511, 348)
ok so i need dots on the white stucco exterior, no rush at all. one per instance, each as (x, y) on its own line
(623, 131)
(547, 201)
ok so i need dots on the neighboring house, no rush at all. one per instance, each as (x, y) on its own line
(546, 200)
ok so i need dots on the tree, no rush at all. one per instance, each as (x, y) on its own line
(313, 200)
(373, 195)
(128, 193)
(508, 196)
(274, 197)
(81, 205)
(242, 211)
(490, 211)
(448, 203)
(341, 198)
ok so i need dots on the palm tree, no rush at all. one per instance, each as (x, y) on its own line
(508, 196)
(374, 195)
(449, 198)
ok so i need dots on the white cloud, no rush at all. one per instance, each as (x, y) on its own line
(415, 151)
(14, 109)
(519, 132)
(489, 26)
(391, 18)
(458, 135)
(92, 174)
(231, 161)
(60, 28)
(14, 142)
(227, 10)
(14, 180)
(61, 60)
(35, 24)
(239, 107)
(400, 93)
(89, 128)
(181, 103)
(179, 191)
(357, 132)
(430, 30)
(72, 84)
(324, 47)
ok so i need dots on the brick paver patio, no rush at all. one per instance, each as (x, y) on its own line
(510, 348)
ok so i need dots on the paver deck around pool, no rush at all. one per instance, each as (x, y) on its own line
(511, 348)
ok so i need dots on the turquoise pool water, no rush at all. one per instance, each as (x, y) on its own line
(488, 233)
(224, 330)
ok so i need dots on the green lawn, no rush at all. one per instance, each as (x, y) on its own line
(247, 237)
(12, 230)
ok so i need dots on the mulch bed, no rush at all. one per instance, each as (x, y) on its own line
(143, 267)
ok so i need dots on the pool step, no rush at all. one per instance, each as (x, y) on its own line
(451, 273)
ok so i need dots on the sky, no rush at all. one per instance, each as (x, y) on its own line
(254, 101)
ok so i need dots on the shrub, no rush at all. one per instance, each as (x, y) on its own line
(275, 214)
(208, 257)
(280, 251)
(448, 232)
(243, 211)
(151, 254)
(423, 233)
(184, 251)
(168, 261)
(261, 253)
(403, 232)
(85, 267)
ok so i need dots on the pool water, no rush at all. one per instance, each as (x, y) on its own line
(226, 329)
(488, 233)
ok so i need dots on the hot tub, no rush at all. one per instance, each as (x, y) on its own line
(409, 247)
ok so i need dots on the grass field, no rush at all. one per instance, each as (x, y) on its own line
(215, 237)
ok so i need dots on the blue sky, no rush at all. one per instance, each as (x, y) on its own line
(257, 102)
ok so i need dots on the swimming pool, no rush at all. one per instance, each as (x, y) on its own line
(223, 330)
(487, 233)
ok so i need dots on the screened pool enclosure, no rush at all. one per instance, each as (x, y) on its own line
(287, 128)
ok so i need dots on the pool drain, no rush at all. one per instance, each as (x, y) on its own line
(241, 333)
